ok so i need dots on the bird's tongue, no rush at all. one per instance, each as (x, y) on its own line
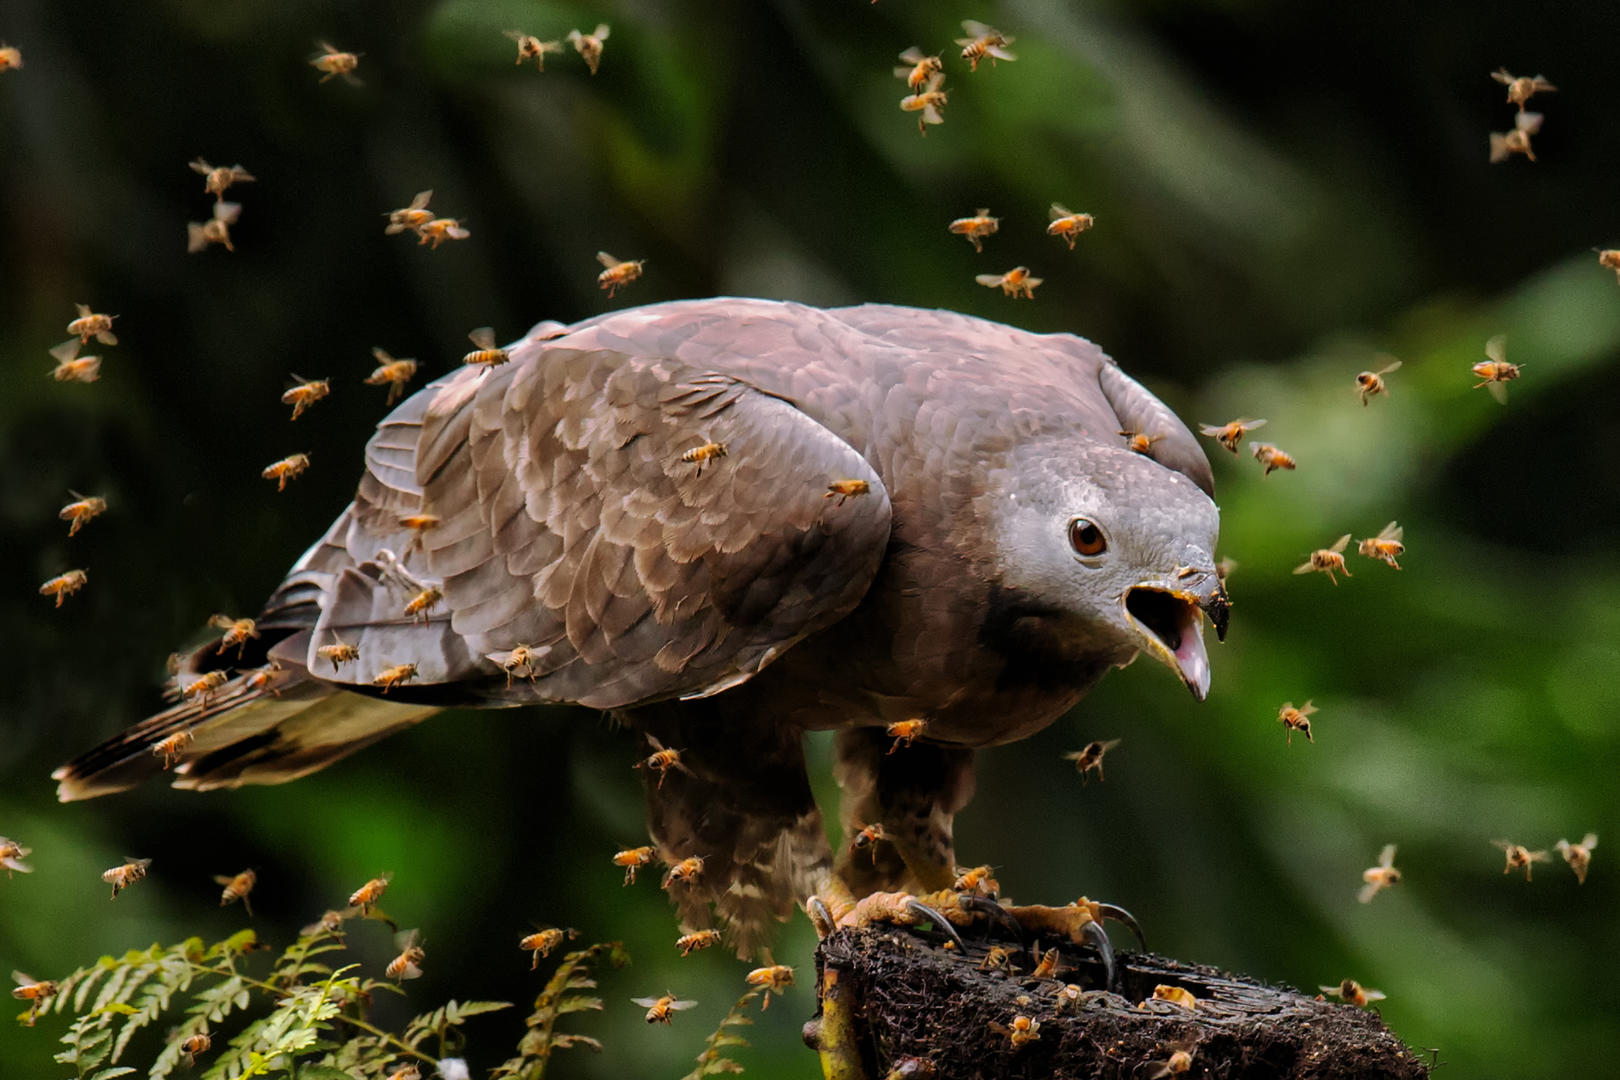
(1191, 658)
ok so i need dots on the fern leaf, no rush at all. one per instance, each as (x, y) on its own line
(711, 1061)
(112, 1073)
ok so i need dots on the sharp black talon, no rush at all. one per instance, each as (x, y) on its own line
(1120, 915)
(820, 917)
(1105, 948)
(917, 907)
(993, 909)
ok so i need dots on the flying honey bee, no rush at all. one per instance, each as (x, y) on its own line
(660, 1008)
(1067, 224)
(918, 69)
(424, 602)
(33, 991)
(203, 686)
(1014, 283)
(1069, 996)
(530, 47)
(1048, 966)
(1230, 435)
(1579, 856)
(660, 761)
(1610, 259)
(237, 887)
(1327, 560)
(288, 468)
(867, 837)
(542, 942)
(171, 748)
(408, 964)
(126, 874)
(1504, 144)
(1379, 877)
(421, 523)
(216, 181)
(65, 585)
(983, 41)
(1353, 993)
(1138, 443)
(1224, 567)
(10, 57)
(486, 354)
(391, 373)
(905, 732)
(617, 273)
(844, 490)
(1519, 857)
(216, 230)
(775, 979)
(1179, 1063)
(1293, 720)
(305, 394)
(589, 45)
(330, 61)
(410, 217)
(1386, 545)
(979, 881)
(701, 939)
(977, 227)
(330, 922)
(367, 895)
(12, 855)
(684, 871)
(1369, 384)
(263, 678)
(196, 1045)
(438, 230)
(237, 632)
(1521, 88)
(633, 859)
(81, 510)
(520, 662)
(1175, 995)
(699, 455)
(1021, 1031)
(1495, 370)
(397, 675)
(1089, 758)
(929, 101)
(1273, 458)
(341, 653)
(91, 324)
(70, 366)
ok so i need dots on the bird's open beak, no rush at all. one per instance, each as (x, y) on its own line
(1169, 618)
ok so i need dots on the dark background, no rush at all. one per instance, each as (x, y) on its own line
(1282, 190)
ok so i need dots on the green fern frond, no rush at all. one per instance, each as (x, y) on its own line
(711, 1061)
(562, 995)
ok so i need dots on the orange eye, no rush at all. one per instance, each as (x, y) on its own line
(1086, 538)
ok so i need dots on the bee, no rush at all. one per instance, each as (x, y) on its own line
(1386, 545)
(1229, 435)
(978, 881)
(918, 70)
(70, 366)
(410, 217)
(12, 855)
(91, 324)
(699, 455)
(633, 859)
(1379, 877)
(286, 469)
(81, 510)
(33, 991)
(975, 228)
(438, 230)
(521, 661)
(197, 1044)
(701, 939)
(905, 732)
(330, 922)
(1495, 370)
(237, 888)
(424, 602)
(367, 895)
(1022, 1030)
(1273, 458)
(530, 47)
(10, 57)
(617, 273)
(685, 871)
(775, 979)
(407, 1072)
(1139, 443)
(541, 943)
(1179, 1063)
(123, 876)
(660, 761)
(1521, 88)
(1353, 993)
(486, 354)
(262, 678)
(659, 1008)
(1048, 966)
(1519, 856)
(215, 181)
(216, 230)
(1369, 384)
(589, 45)
(1067, 224)
(1505, 144)
(1089, 758)
(846, 489)
(1327, 560)
(331, 61)
(1069, 996)
(1175, 995)
(982, 42)
(305, 394)
(237, 632)
(928, 101)
(391, 373)
(1579, 856)
(867, 837)
(996, 956)
(341, 653)
(1224, 568)
(398, 675)
(202, 688)
(1610, 259)
(1293, 720)
(1014, 283)
(65, 585)
(408, 964)
(171, 748)
(911, 1068)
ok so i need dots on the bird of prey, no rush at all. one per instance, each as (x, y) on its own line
(728, 522)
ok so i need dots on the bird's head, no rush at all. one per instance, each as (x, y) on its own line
(1115, 552)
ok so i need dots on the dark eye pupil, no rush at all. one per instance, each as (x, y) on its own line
(1086, 538)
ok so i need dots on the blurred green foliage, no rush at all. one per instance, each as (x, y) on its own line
(1282, 191)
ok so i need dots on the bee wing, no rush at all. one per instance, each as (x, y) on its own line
(1496, 349)
(912, 56)
(1392, 367)
(456, 232)
(23, 980)
(227, 212)
(1368, 891)
(84, 310)
(483, 337)
(1502, 76)
(66, 351)
(935, 81)
(515, 35)
(381, 356)
(601, 32)
(419, 201)
(1212, 430)
(1373, 995)
(1304, 567)
(681, 1006)
(932, 115)
(991, 280)
(1538, 856)
(1528, 122)
(1589, 841)
(1386, 857)
(1498, 391)
(1340, 544)
(1250, 425)
(406, 939)
(1499, 150)
(1001, 54)
(1030, 283)
(1109, 744)
(607, 260)
(977, 29)
(644, 1002)
(1330, 991)
(325, 46)
(1392, 531)
(1060, 211)
(903, 72)
(200, 166)
(223, 879)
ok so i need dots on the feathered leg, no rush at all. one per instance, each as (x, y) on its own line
(914, 794)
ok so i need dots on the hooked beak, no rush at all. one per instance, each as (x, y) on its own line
(1170, 621)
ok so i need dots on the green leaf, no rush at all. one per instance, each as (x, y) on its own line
(109, 1074)
(322, 1072)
